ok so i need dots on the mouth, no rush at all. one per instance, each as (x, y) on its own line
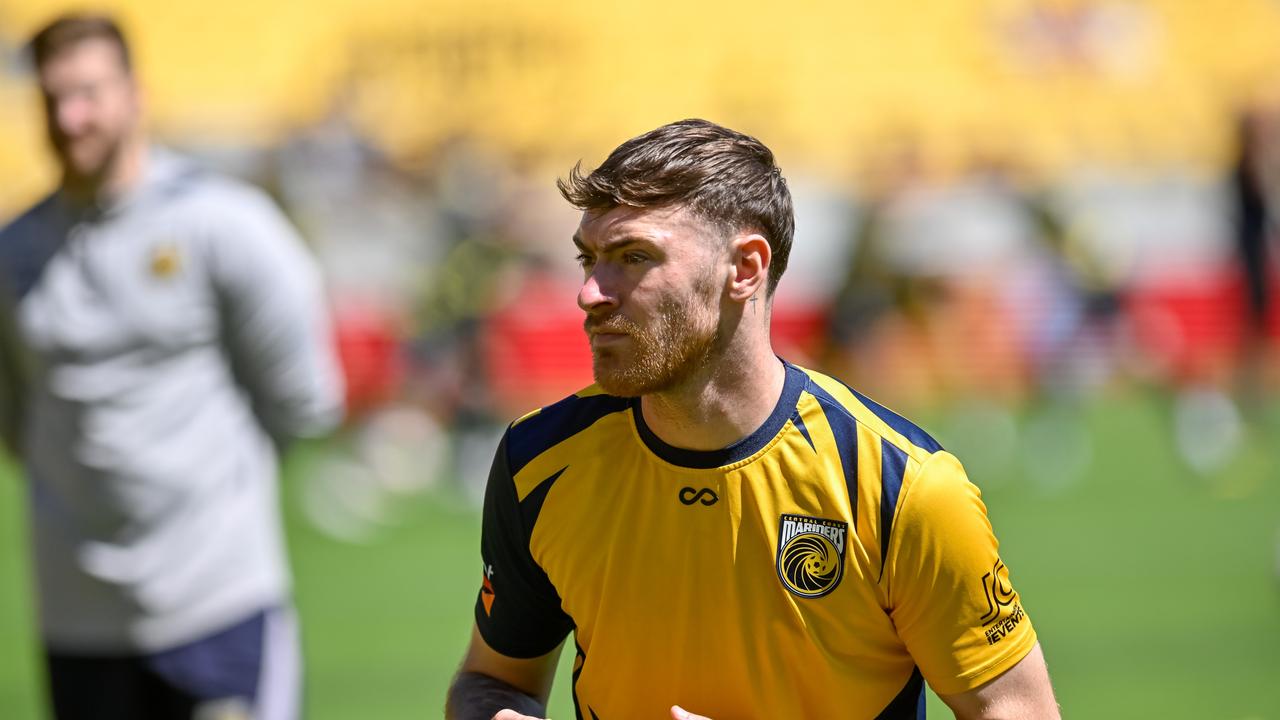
(605, 337)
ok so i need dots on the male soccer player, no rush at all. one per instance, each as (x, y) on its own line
(719, 529)
(166, 331)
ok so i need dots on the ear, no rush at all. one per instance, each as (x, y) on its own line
(751, 255)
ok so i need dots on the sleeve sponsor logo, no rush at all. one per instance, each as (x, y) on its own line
(486, 590)
(1003, 610)
(810, 557)
(997, 632)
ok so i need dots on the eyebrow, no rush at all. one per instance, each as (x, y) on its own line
(614, 243)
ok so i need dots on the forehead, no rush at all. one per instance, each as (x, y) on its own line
(86, 59)
(664, 224)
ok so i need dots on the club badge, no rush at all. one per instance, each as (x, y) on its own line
(166, 261)
(810, 554)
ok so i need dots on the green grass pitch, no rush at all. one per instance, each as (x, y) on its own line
(1154, 591)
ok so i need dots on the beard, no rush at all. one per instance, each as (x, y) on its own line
(679, 341)
(88, 159)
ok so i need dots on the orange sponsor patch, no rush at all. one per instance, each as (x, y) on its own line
(486, 595)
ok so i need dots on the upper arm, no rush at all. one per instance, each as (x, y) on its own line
(518, 610)
(520, 625)
(1023, 691)
(275, 316)
(950, 596)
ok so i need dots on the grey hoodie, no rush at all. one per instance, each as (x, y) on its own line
(159, 350)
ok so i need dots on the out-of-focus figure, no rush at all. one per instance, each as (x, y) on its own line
(168, 334)
(1255, 184)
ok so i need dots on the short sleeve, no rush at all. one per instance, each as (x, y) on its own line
(949, 593)
(518, 611)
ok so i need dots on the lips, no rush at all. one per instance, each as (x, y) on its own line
(606, 331)
(607, 338)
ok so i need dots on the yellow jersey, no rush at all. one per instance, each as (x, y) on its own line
(825, 566)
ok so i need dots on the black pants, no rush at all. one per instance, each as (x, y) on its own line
(218, 675)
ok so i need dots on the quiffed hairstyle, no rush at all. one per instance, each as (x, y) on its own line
(725, 177)
(70, 30)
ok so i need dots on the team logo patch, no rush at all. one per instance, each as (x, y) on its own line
(810, 554)
(166, 261)
(486, 590)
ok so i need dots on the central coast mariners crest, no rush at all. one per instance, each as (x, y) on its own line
(810, 554)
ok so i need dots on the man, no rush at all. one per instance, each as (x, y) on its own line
(721, 530)
(167, 333)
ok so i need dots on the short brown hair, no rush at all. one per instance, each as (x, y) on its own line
(70, 30)
(723, 176)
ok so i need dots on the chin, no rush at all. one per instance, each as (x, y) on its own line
(612, 377)
(82, 170)
(610, 382)
(628, 385)
(85, 162)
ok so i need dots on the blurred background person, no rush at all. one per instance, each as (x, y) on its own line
(1255, 185)
(169, 335)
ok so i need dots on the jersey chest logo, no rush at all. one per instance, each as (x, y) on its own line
(810, 554)
(165, 261)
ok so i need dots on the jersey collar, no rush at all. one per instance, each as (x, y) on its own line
(738, 451)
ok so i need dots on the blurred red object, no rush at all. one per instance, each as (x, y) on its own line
(799, 331)
(1196, 328)
(534, 348)
(368, 341)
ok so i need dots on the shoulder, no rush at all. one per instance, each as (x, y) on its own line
(941, 513)
(940, 485)
(26, 243)
(844, 405)
(28, 222)
(237, 226)
(202, 192)
(542, 430)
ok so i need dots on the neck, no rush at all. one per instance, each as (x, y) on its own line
(123, 172)
(719, 405)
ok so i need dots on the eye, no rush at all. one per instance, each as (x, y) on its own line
(634, 258)
(585, 260)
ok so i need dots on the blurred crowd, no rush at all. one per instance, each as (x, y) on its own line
(994, 288)
(984, 293)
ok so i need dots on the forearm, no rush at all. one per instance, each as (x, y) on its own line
(474, 696)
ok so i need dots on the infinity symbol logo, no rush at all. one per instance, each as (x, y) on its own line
(706, 496)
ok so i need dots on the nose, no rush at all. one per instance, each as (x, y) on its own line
(595, 294)
(71, 114)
